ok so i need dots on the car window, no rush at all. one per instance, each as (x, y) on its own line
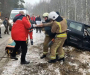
(76, 26)
(87, 31)
(12, 15)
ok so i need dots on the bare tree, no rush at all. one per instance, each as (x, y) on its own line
(77, 10)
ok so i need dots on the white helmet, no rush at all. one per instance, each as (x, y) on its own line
(45, 14)
(53, 15)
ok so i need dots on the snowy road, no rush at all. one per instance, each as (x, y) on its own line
(13, 67)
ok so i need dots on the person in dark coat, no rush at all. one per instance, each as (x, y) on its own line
(6, 24)
(0, 31)
(38, 20)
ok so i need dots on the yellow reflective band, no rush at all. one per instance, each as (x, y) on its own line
(8, 51)
(61, 35)
(45, 52)
(61, 56)
(59, 26)
(53, 57)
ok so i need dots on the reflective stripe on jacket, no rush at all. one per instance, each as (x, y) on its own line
(63, 34)
(58, 27)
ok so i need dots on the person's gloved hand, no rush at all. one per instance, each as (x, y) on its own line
(41, 25)
(33, 26)
(31, 42)
(30, 30)
(51, 42)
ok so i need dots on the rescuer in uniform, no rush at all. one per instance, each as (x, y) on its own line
(58, 26)
(48, 37)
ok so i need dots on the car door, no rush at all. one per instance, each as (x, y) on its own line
(86, 37)
(75, 34)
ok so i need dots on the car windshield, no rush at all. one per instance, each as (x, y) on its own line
(12, 15)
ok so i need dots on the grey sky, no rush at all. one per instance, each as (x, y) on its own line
(32, 1)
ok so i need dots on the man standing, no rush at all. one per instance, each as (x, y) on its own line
(38, 20)
(0, 30)
(19, 34)
(6, 24)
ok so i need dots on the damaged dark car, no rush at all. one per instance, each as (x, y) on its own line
(78, 35)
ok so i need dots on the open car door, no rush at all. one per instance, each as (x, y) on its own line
(75, 34)
(86, 37)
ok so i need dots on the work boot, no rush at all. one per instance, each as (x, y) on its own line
(63, 59)
(14, 58)
(43, 56)
(31, 42)
(52, 61)
(25, 62)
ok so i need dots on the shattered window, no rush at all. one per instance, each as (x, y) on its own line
(88, 29)
(76, 26)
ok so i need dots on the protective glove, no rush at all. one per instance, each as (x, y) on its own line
(51, 42)
(33, 26)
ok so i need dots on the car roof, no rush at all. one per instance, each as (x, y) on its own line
(78, 22)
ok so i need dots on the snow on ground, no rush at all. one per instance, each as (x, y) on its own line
(2, 25)
(13, 66)
(77, 62)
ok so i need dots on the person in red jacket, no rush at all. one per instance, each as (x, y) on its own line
(19, 34)
(33, 18)
(30, 32)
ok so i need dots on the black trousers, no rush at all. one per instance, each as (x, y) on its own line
(6, 30)
(23, 46)
(0, 31)
(38, 29)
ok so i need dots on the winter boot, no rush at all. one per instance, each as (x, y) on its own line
(43, 56)
(25, 62)
(61, 59)
(31, 42)
(52, 61)
(14, 58)
(0, 36)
